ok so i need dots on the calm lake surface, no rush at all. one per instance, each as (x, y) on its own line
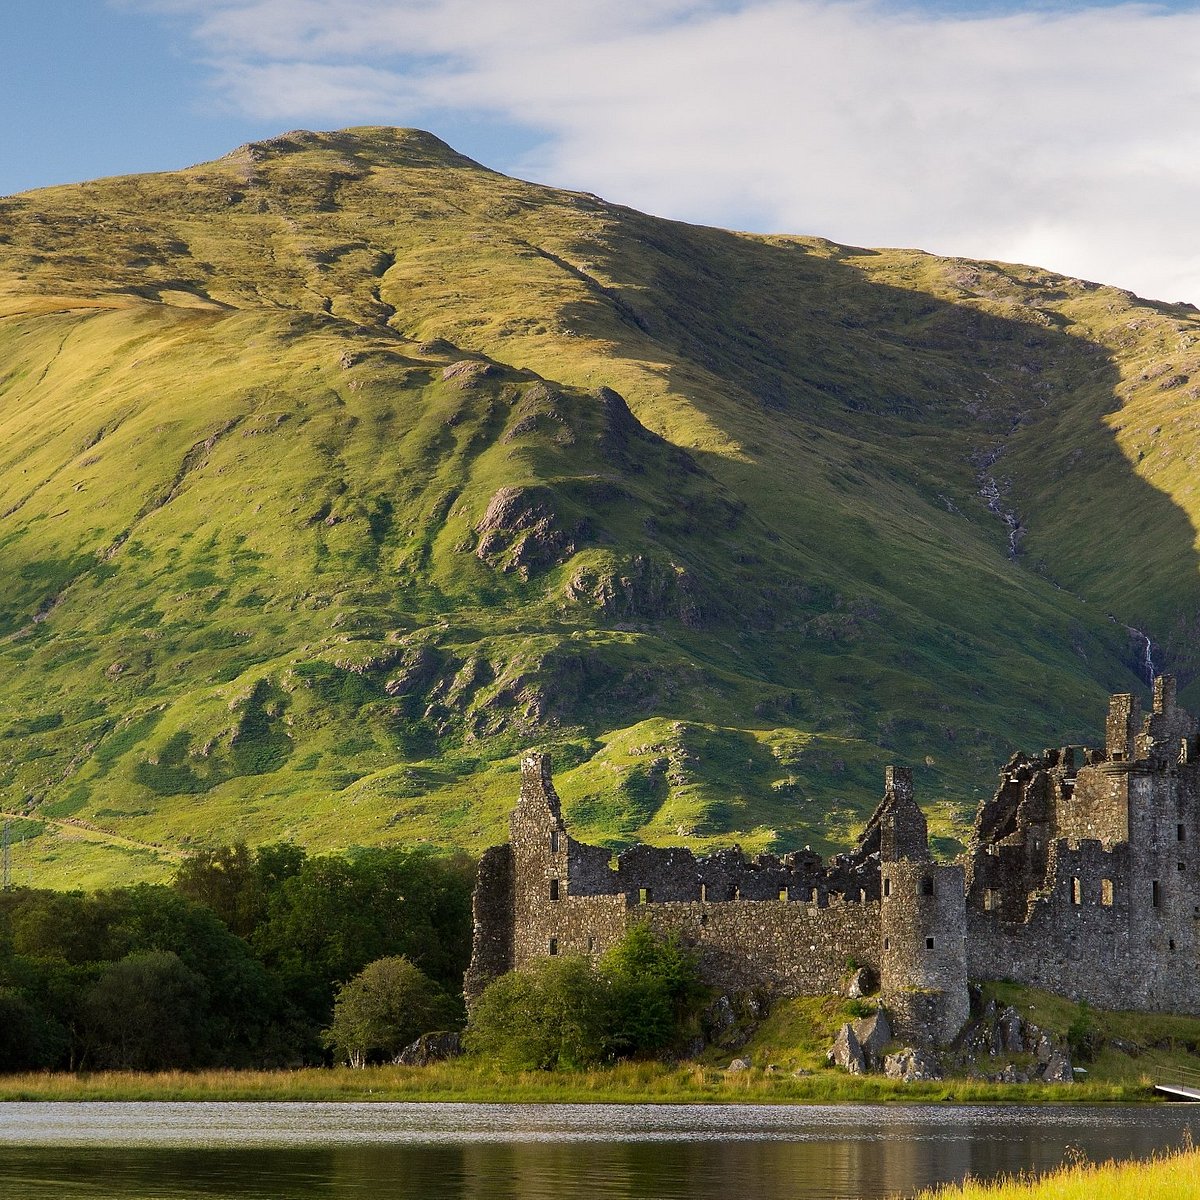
(547, 1152)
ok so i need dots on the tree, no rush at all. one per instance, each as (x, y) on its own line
(384, 1008)
(555, 1014)
(145, 1012)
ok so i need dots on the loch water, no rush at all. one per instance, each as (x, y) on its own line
(382, 1151)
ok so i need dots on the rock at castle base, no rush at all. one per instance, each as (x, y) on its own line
(862, 983)
(429, 1048)
(1058, 1069)
(1012, 1031)
(847, 1053)
(873, 1034)
(739, 1064)
(912, 1065)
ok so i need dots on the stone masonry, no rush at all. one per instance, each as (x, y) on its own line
(1081, 877)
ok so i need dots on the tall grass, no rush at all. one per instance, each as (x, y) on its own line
(1169, 1177)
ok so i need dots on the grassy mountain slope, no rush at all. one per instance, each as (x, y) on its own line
(335, 472)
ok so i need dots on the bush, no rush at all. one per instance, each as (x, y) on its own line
(640, 999)
(556, 1014)
(388, 1005)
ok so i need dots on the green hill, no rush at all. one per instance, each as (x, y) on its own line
(337, 471)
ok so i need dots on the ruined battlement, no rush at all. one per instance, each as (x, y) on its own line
(1082, 876)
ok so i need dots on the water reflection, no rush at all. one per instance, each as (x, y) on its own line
(510, 1152)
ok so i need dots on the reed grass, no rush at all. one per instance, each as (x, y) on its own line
(1167, 1177)
(626, 1083)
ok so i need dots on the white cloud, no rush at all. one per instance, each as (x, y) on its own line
(1068, 138)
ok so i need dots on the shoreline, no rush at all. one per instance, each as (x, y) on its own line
(632, 1083)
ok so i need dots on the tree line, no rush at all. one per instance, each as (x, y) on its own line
(236, 963)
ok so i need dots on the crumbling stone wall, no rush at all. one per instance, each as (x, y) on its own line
(1085, 879)
(1082, 877)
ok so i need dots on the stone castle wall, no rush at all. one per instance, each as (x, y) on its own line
(1082, 877)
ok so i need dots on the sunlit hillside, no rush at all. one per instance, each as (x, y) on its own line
(337, 471)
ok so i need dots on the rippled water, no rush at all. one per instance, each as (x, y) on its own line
(531, 1152)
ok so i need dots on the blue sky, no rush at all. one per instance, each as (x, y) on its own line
(1066, 134)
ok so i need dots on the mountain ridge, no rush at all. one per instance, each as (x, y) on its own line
(340, 451)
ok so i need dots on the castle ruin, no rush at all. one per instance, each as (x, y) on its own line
(1081, 877)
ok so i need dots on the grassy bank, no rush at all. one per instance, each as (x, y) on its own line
(624, 1084)
(1174, 1177)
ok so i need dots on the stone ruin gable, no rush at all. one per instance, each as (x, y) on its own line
(492, 907)
(1083, 872)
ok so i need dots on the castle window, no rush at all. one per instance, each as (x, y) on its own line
(926, 885)
(554, 841)
(783, 893)
(1155, 893)
(929, 943)
(1106, 892)
(643, 895)
(734, 893)
(591, 945)
(887, 887)
(554, 945)
(1181, 866)
(1180, 833)
(1076, 892)
(554, 889)
(991, 899)
(704, 918)
(1171, 943)
(887, 943)
(703, 893)
(862, 895)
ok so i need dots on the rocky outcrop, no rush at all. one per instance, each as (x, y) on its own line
(846, 1052)
(913, 1064)
(430, 1048)
(523, 531)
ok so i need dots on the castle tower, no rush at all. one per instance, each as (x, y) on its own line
(923, 921)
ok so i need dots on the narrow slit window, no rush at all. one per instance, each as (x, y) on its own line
(1171, 943)
(554, 841)
(887, 886)
(1181, 833)
(554, 945)
(704, 893)
(929, 943)
(926, 885)
(554, 889)
(990, 899)
(1182, 866)
(887, 943)
(1155, 893)
(1106, 892)
(643, 895)
(591, 945)
(1076, 892)
(783, 894)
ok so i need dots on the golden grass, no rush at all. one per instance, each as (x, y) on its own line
(1169, 1177)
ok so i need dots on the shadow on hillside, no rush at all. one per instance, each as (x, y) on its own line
(791, 352)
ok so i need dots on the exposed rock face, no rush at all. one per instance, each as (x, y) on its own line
(429, 1048)
(847, 1053)
(640, 589)
(523, 532)
(912, 1065)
